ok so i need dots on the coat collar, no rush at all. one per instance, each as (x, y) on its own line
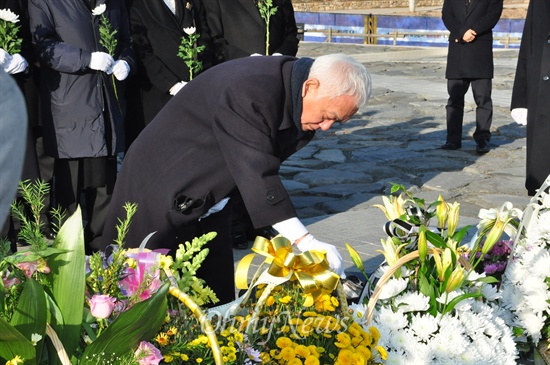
(252, 8)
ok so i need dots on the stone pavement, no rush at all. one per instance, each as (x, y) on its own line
(336, 179)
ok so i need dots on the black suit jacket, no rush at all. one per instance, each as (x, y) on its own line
(239, 30)
(474, 59)
(157, 33)
(230, 128)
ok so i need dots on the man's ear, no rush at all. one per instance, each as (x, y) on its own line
(309, 86)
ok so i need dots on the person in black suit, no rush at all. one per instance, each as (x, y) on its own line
(239, 31)
(530, 102)
(157, 27)
(226, 131)
(470, 62)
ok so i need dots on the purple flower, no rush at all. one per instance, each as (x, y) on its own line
(147, 354)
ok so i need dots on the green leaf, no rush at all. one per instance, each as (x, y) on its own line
(30, 315)
(13, 343)
(488, 280)
(456, 300)
(68, 281)
(139, 323)
(458, 236)
(435, 239)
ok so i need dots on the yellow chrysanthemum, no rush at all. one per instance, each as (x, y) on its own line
(168, 358)
(310, 314)
(356, 341)
(345, 357)
(285, 300)
(311, 360)
(302, 351)
(238, 337)
(342, 340)
(382, 351)
(334, 301)
(15, 361)
(295, 361)
(375, 333)
(295, 321)
(358, 359)
(354, 331)
(199, 360)
(172, 331)
(287, 354)
(270, 301)
(184, 357)
(363, 350)
(232, 357)
(283, 342)
(369, 340)
(224, 333)
(162, 339)
(264, 331)
(315, 351)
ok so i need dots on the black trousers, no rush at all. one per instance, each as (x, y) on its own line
(457, 89)
(88, 183)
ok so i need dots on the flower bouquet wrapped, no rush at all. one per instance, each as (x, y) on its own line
(59, 306)
(429, 303)
(295, 312)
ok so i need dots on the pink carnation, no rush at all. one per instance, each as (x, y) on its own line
(147, 354)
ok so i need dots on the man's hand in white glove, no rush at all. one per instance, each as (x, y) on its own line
(334, 259)
(277, 54)
(120, 69)
(177, 87)
(255, 54)
(101, 61)
(5, 57)
(520, 115)
(16, 65)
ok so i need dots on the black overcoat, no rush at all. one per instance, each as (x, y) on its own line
(81, 114)
(532, 91)
(470, 60)
(238, 29)
(157, 33)
(230, 128)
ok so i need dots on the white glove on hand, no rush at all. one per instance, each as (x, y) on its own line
(101, 61)
(255, 54)
(277, 54)
(334, 259)
(120, 69)
(16, 65)
(177, 87)
(519, 115)
(5, 57)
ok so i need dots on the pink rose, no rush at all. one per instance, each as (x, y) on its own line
(147, 354)
(101, 306)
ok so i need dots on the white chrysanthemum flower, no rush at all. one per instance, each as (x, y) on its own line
(100, 9)
(412, 302)
(392, 288)
(532, 323)
(490, 292)
(394, 321)
(9, 16)
(474, 276)
(190, 30)
(423, 326)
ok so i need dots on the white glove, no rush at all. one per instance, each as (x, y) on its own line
(101, 61)
(121, 69)
(177, 87)
(255, 54)
(334, 259)
(277, 54)
(16, 65)
(5, 57)
(519, 115)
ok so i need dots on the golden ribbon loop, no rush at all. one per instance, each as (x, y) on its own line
(310, 268)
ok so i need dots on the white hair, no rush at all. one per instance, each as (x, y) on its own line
(340, 74)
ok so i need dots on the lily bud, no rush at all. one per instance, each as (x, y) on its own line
(452, 219)
(494, 235)
(441, 213)
(455, 280)
(422, 244)
(355, 257)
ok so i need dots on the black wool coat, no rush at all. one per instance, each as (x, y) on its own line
(157, 33)
(531, 90)
(230, 128)
(472, 60)
(239, 30)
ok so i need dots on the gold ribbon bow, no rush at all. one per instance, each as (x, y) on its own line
(310, 268)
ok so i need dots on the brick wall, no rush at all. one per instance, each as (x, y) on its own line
(328, 5)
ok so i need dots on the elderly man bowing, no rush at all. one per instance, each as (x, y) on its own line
(229, 130)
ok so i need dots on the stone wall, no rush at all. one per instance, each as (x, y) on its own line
(329, 5)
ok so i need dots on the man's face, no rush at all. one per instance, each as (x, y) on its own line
(322, 113)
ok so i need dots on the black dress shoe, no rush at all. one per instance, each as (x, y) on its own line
(240, 241)
(483, 147)
(451, 146)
